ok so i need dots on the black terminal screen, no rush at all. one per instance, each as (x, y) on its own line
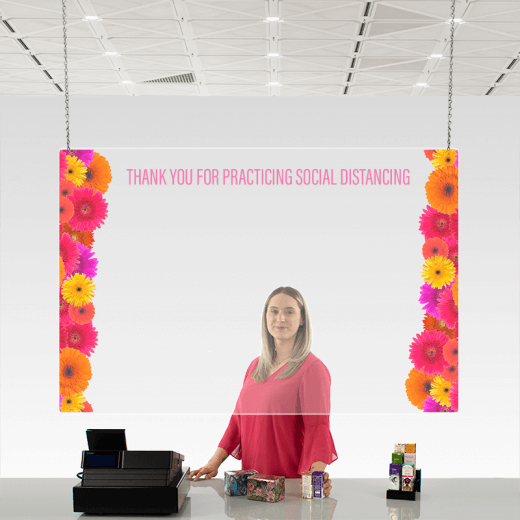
(101, 460)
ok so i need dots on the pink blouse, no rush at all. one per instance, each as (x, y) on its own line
(287, 441)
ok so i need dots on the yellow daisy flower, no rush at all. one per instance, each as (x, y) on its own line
(444, 158)
(78, 290)
(438, 271)
(73, 403)
(440, 391)
(76, 170)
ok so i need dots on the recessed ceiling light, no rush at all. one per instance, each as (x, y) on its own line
(421, 84)
(273, 55)
(273, 19)
(92, 19)
(126, 82)
(274, 84)
(110, 53)
(436, 56)
(456, 20)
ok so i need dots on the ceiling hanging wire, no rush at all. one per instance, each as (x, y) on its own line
(450, 87)
(66, 77)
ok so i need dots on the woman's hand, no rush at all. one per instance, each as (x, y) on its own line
(210, 470)
(327, 484)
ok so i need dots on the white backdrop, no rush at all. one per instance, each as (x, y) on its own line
(36, 440)
(184, 271)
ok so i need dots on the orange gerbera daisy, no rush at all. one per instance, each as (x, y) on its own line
(75, 371)
(83, 237)
(455, 290)
(418, 386)
(98, 174)
(432, 323)
(442, 189)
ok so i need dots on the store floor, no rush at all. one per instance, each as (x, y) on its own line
(440, 499)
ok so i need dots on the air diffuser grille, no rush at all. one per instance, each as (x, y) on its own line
(179, 78)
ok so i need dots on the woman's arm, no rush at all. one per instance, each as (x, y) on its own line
(318, 466)
(220, 456)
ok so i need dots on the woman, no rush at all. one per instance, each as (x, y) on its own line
(280, 425)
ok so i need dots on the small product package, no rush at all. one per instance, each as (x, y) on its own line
(409, 448)
(266, 488)
(307, 487)
(395, 469)
(399, 448)
(397, 458)
(318, 478)
(409, 458)
(407, 484)
(235, 482)
(395, 482)
(408, 470)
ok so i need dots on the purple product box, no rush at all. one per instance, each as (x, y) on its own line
(395, 469)
(317, 484)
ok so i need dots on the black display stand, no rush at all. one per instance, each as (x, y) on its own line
(394, 494)
(162, 500)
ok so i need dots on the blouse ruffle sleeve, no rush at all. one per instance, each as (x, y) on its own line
(231, 439)
(314, 399)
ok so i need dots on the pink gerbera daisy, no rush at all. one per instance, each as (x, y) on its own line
(63, 336)
(66, 209)
(66, 188)
(63, 164)
(69, 252)
(430, 405)
(454, 396)
(430, 299)
(434, 223)
(448, 311)
(87, 264)
(426, 351)
(453, 251)
(84, 155)
(454, 224)
(90, 209)
(82, 337)
(64, 306)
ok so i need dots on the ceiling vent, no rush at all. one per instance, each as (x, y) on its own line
(180, 78)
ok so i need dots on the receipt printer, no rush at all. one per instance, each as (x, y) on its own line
(130, 482)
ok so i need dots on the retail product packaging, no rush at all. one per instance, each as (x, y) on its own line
(235, 482)
(395, 482)
(399, 448)
(407, 484)
(266, 488)
(409, 448)
(408, 470)
(409, 458)
(395, 469)
(318, 479)
(397, 458)
(307, 487)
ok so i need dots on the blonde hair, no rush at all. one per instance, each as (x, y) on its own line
(302, 342)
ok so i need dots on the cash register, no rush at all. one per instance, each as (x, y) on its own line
(115, 480)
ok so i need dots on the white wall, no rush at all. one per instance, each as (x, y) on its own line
(36, 440)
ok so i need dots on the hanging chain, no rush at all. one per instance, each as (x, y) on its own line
(450, 88)
(66, 77)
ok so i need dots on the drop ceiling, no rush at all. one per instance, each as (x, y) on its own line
(259, 48)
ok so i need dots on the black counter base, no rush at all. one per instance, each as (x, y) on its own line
(132, 500)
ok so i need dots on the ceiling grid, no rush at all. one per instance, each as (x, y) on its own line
(260, 47)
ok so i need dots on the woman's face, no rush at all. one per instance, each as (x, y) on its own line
(283, 317)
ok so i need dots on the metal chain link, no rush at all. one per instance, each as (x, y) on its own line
(66, 77)
(450, 88)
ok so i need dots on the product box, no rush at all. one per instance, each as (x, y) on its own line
(395, 482)
(399, 448)
(266, 488)
(407, 484)
(408, 470)
(395, 469)
(409, 448)
(409, 458)
(235, 482)
(397, 458)
(317, 484)
(306, 485)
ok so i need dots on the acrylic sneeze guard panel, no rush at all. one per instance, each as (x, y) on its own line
(186, 244)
